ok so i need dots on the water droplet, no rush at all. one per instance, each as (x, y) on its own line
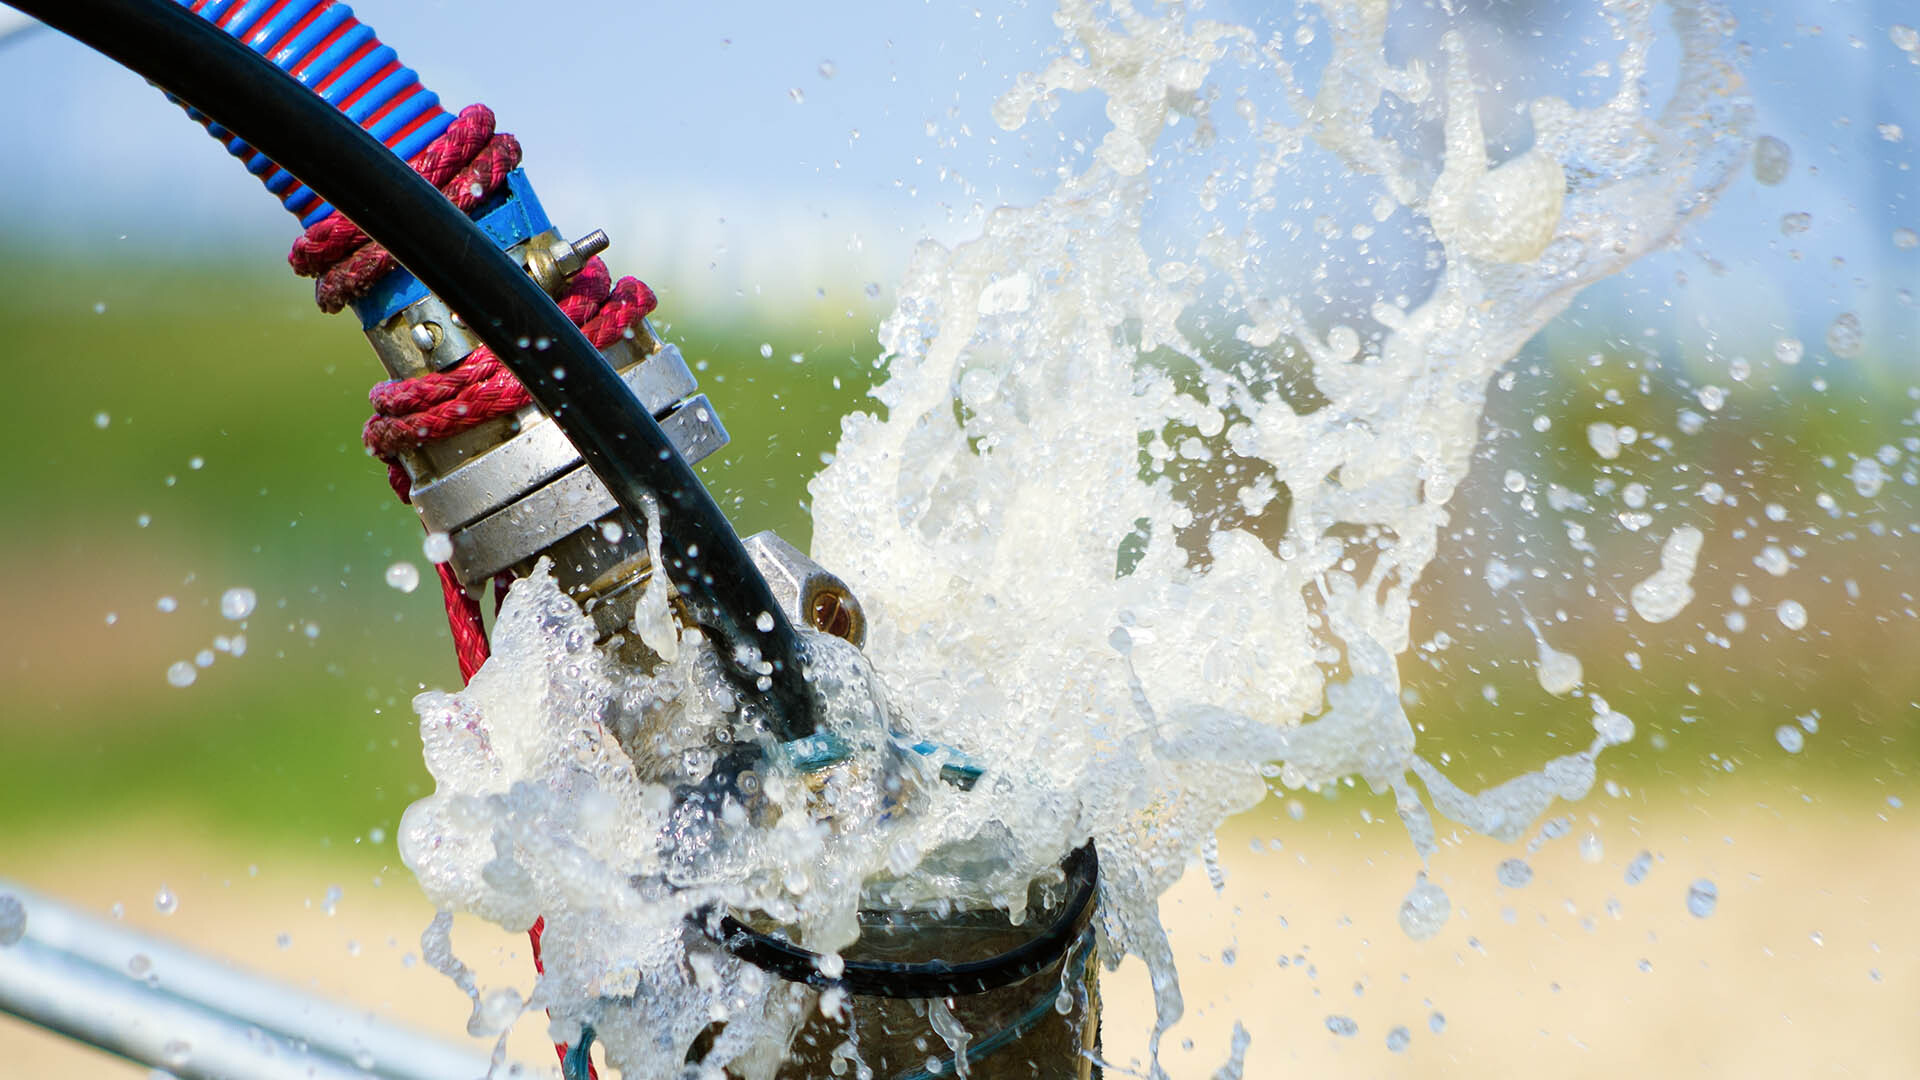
(1425, 910)
(1903, 238)
(827, 69)
(766, 351)
(1773, 559)
(1591, 849)
(166, 604)
(1437, 1023)
(764, 622)
(1605, 439)
(1844, 336)
(165, 902)
(1798, 222)
(1514, 481)
(1867, 476)
(1559, 673)
(1792, 615)
(437, 547)
(1398, 1038)
(1790, 738)
(1772, 159)
(283, 939)
(1343, 1026)
(1702, 897)
(1889, 132)
(176, 1053)
(238, 602)
(1515, 873)
(403, 576)
(1788, 350)
(101, 420)
(181, 673)
(798, 95)
(13, 919)
(1904, 37)
(376, 835)
(1637, 869)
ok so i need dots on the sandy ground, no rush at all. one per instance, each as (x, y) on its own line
(1809, 966)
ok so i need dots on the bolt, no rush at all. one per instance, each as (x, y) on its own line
(571, 257)
(831, 616)
(591, 244)
(426, 336)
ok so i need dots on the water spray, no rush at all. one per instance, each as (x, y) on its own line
(539, 425)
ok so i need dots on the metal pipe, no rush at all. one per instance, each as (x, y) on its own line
(194, 1016)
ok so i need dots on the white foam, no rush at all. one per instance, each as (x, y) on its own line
(1032, 517)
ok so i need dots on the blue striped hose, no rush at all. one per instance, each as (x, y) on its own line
(321, 44)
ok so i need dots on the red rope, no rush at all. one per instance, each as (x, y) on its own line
(334, 237)
(468, 163)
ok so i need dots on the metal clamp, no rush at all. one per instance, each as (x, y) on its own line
(427, 335)
(576, 499)
(491, 480)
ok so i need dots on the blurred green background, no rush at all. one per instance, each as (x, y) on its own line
(229, 456)
(194, 428)
(185, 423)
(183, 429)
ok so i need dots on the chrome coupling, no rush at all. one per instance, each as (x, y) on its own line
(514, 489)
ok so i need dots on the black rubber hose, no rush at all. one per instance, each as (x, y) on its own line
(931, 978)
(198, 63)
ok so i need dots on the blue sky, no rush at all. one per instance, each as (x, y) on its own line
(677, 127)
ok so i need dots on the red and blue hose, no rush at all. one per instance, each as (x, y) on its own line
(323, 46)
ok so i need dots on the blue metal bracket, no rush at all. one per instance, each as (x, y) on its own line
(513, 215)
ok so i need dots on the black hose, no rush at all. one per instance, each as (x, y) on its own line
(198, 63)
(931, 978)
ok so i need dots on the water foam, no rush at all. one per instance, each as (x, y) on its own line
(1136, 523)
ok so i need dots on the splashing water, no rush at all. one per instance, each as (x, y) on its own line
(1137, 519)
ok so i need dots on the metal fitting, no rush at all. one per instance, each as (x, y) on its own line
(551, 260)
(429, 336)
(808, 592)
(513, 489)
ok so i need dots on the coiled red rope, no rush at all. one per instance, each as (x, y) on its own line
(468, 163)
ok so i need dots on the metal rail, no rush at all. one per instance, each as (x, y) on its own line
(196, 1017)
